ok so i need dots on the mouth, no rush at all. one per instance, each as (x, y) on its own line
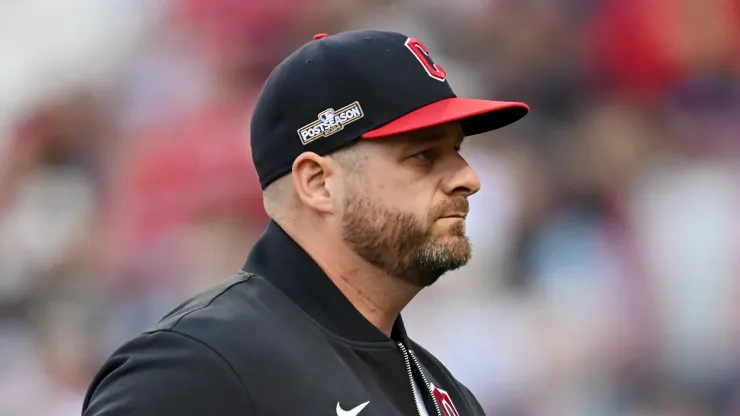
(461, 216)
(451, 219)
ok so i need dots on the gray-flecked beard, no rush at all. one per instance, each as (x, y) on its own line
(401, 243)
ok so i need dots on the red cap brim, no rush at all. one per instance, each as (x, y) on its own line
(476, 116)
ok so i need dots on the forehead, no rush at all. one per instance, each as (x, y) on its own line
(451, 132)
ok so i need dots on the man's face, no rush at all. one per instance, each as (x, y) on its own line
(406, 201)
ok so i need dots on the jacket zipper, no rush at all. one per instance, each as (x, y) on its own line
(410, 372)
(426, 383)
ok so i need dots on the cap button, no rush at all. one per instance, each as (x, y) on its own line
(320, 36)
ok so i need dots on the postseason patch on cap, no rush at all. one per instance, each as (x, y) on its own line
(329, 122)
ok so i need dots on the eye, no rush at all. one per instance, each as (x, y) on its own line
(427, 156)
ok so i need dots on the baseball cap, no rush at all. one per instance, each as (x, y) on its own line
(365, 84)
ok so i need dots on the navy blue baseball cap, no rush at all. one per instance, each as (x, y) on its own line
(365, 84)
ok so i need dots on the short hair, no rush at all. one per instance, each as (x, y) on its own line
(350, 158)
(276, 197)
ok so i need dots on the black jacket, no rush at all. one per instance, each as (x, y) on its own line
(276, 339)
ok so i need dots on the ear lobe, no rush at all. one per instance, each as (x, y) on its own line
(310, 173)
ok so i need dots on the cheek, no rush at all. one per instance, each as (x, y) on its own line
(407, 200)
(401, 190)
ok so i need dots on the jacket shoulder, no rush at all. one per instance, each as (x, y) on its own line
(209, 303)
(217, 335)
(244, 318)
(161, 372)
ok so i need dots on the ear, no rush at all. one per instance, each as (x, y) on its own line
(310, 174)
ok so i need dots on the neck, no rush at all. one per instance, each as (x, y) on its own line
(378, 296)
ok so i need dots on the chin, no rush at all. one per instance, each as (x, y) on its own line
(452, 242)
(455, 246)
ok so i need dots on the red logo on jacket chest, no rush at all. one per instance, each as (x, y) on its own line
(444, 400)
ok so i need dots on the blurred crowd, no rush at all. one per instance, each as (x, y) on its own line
(606, 273)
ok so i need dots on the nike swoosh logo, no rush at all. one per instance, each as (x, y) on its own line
(354, 412)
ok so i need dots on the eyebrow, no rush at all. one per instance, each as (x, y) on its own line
(434, 136)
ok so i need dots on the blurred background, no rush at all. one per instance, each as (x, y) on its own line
(607, 234)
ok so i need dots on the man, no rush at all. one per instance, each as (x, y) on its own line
(355, 139)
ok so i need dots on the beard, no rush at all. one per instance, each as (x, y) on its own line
(402, 244)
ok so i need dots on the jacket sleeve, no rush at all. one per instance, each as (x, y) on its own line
(166, 373)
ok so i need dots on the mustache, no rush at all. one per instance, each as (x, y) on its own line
(451, 207)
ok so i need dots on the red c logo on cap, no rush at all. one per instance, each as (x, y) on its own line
(422, 55)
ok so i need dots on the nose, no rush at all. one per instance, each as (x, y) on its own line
(463, 181)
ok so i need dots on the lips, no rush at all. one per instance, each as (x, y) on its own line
(456, 207)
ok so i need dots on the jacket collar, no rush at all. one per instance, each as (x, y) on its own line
(277, 258)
